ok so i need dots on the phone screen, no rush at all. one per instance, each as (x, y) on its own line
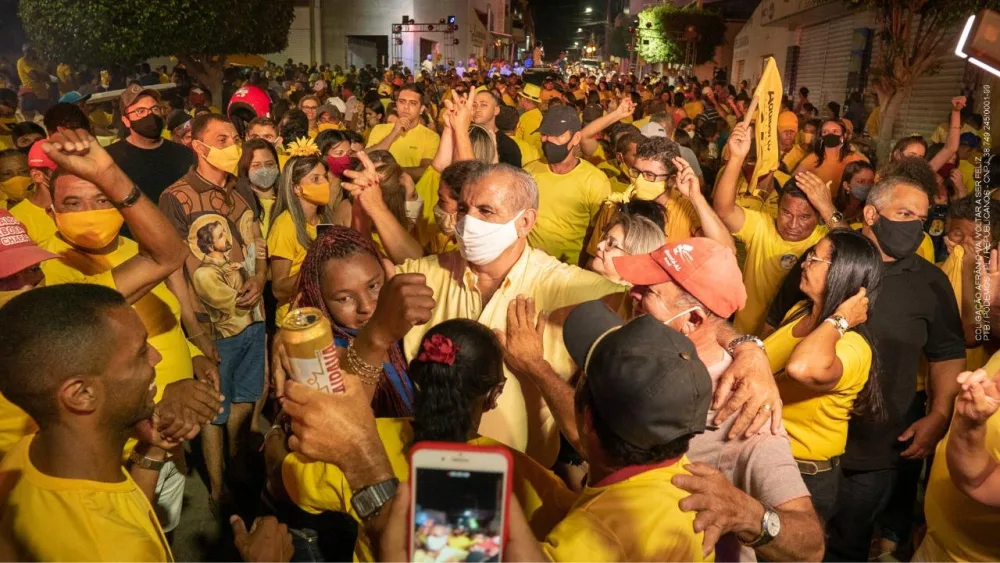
(457, 515)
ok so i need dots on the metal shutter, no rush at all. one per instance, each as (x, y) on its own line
(929, 101)
(298, 39)
(835, 66)
(812, 58)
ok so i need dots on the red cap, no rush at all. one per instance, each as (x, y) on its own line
(17, 250)
(702, 267)
(252, 97)
(37, 157)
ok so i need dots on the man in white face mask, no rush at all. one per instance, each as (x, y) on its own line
(692, 286)
(493, 265)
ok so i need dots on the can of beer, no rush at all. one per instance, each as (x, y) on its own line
(308, 340)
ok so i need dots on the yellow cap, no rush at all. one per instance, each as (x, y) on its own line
(787, 121)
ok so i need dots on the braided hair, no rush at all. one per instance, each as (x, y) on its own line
(342, 243)
(448, 396)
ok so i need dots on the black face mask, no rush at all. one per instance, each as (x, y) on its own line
(898, 239)
(830, 141)
(555, 153)
(150, 127)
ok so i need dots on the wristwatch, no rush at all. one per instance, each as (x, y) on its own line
(147, 463)
(837, 217)
(770, 527)
(840, 322)
(731, 348)
(368, 501)
(130, 199)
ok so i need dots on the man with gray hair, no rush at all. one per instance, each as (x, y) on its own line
(916, 315)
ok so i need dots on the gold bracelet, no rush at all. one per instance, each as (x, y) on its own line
(369, 374)
(191, 338)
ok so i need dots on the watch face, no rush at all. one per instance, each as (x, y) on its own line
(773, 523)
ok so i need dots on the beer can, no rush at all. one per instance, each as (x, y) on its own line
(309, 345)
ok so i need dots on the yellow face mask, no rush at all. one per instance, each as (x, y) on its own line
(328, 127)
(17, 187)
(316, 194)
(93, 229)
(225, 159)
(646, 190)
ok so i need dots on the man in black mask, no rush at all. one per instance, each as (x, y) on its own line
(149, 160)
(915, 314)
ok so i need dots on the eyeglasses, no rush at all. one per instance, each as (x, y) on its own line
(139, 113)
(649, 176)
(811, 257)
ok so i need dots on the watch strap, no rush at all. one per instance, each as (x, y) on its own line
(368, 501)
(130, 199)
(147, 463)
(764, 537)
(731, 348)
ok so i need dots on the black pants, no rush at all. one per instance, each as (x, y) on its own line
(901, 512)
(861, 498)
(823, 487)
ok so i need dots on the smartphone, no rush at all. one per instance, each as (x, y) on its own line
(460, 497)
(322, 228)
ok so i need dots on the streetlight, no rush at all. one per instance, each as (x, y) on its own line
(587, 10)
(579, 30)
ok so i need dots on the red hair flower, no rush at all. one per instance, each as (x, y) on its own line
(439, 349)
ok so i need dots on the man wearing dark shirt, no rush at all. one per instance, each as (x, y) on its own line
(915, 313)
(147, 159)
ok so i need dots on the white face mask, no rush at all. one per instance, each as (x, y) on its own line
(481, 242)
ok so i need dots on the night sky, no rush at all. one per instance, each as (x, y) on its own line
(556, 22)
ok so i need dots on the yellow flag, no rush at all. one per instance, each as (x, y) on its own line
(768, 96)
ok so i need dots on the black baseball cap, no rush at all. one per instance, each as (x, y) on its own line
(558, 120)
(646, 379)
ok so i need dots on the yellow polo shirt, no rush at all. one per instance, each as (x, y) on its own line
(411, 147)
(680, 219)
(769, 258)
(37, 223)
(567, 204)
(527, 124)
(47, 518)
(429, 235)
(283, 242)
(637, 518)
(959, 528)
(316, 486)
(817, 422)
(555, 287)
(159, 309)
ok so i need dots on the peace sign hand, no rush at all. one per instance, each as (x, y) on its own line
(365, 185)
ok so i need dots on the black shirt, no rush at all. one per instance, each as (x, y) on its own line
(507, 150)
(915, 312)
(153, 170)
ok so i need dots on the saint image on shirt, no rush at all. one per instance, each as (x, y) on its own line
(218, 279)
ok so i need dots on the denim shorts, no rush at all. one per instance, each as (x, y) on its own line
(241, 368)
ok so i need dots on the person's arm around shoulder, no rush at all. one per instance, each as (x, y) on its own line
(724, 201)
(814, 362)
(161, 251)
(973, 470)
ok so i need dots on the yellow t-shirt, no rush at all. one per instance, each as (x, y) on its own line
(975, 356)
(283, 242)
(316, 486)
(521, 419)
(412, 147)
(959, 528)
(529, 152)
(267, 204)
(769, 258)
(567, 204)
(429, 235)
(639, 123)
(693, 109)
(37, 223)
(24, 68)
(159, 309)
(793, 157)
(680, 218)
(817, 422)
(635, 519)
(48, 518)
(527, 124)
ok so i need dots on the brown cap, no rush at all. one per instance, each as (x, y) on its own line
(133, 92)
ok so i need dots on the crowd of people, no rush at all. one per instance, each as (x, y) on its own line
(692, 353)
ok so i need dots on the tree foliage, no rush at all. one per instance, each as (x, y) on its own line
(107, 32)
(663, 28)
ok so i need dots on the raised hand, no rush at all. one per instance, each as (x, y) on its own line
(855, 309)
(979, 398)
(958, 103)
(687, 181)
(365, 185)
(80, 154)
(739, 140)
(404, 301)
